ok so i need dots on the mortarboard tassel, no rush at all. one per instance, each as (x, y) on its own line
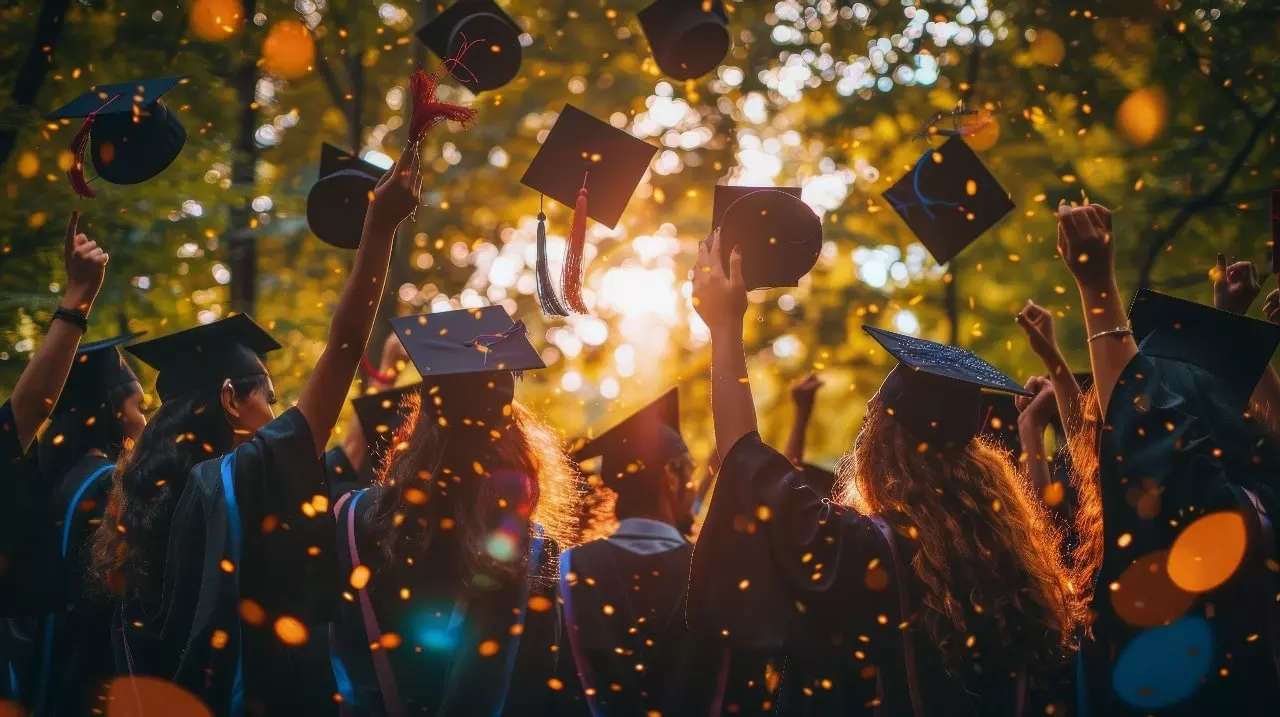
(79, 143)
(571, 277)
(551, 305)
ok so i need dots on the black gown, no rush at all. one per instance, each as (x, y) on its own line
(238, 563)
(779, 567)
(497, 653)
(624, 615)
(60, 650)
(1159, 473)
(342, 476)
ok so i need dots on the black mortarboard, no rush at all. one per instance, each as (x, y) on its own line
(1235, 349)
(467, 359)
(381, 415)
(134, 134)
(780, 235)
(689, 38)
(936, 390)
(338, 201)
(478, 42)
(647, 439)
(1000, 420)
(206, 355)
(97, 370)
(949, 199)
(583, 156)
(820, 479)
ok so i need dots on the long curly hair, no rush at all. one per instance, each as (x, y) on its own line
(987, 556)
(130, 543)
(1083, 430)
(468, 493)
(72, 434)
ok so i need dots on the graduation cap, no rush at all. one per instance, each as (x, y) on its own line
(780, 235)
(1000, 420)
(381, 415)
(206, 355)
(468, 360)
(936, 390)
(582, 156)
(689, 38)
(820, 479)
(949, 199)
(478, 42)
(1234, 349)
(647, 439)
(338, 201)
(134, 134)
(98, 369)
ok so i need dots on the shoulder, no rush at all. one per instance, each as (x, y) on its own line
(289, 431)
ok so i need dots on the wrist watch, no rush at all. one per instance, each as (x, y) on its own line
(73, 317)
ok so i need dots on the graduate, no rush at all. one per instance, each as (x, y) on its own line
(932, 586)
(33, 582)
(624, 595)
(217, 540)
(364, 451)
(448, 560)
(1185, 600)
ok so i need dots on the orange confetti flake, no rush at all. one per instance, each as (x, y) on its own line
(291, 631)
(252, 613)
(360, 577)
(488, 648)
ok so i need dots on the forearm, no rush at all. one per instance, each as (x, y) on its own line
(1031, 436)
(795, 442)
(1267, 395)
(1108, 355)
(326, 388)
(1069, 397)
(41, 382)
(733, 409)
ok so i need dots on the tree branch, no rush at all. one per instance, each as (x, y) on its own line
(35, 65)
(1190, 209)
(1213, 73)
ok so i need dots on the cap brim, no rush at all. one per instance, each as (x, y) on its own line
(115, 98)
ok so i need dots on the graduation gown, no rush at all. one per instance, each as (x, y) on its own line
(59, 654)
(342, 476)
(1159, 473)
(251, 545)
(778, 566)
(637, 579)
(444, 651)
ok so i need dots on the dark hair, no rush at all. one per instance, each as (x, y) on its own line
(448, 486)
(130, 544)
(641, 492)
(73, 433)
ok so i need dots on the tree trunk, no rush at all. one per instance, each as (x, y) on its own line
(243, 253)
(35, 65)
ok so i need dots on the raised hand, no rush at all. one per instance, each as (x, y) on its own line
(804, 390)
(1086, 246)
(720, 300)
(1038, 325)
(396, 195)
(1236, 286)
(1271, 307)
(86, 265)
(1037, 410)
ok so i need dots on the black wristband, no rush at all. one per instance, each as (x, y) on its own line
(73, 317)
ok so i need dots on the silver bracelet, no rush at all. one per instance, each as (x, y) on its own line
(1119, 330)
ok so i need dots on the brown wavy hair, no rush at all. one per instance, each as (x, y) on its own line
(1083, 429)
(437, 492)
(987, 557)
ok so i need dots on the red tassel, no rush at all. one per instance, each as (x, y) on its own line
(75, 175)
(427, 110)
(571, 279)
(378, 377)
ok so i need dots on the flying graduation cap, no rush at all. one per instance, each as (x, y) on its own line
(207, 355)
(132, 134)
(381, 415)
(98, 369)
(1233, 348)
(936, 391)
(582, 156)
(644, 441)
(338, 201)
(468, 360)
(949, 199)
(689, 38)
(780, 235)
(478, 43)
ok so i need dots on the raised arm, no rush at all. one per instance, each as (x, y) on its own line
(1034, 416)
(394, 199)
(1038, 325)
(1086, 246)
(721, 301)
(802, 395)
(1234, 289)
(41, 382)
